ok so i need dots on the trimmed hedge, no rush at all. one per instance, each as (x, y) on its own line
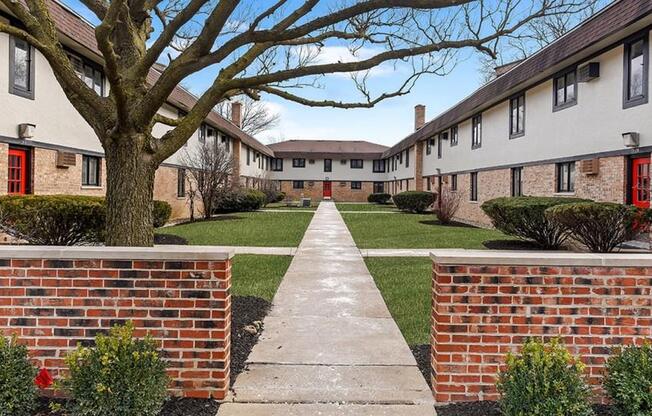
(62, 220)
(380, 198)
(524, 217)
(272, 196)
(600, 226)
(241, 200)
(414, 201)
(628, 380)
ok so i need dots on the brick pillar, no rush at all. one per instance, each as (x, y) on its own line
(236, 113)
(419, 116)
(418, 166)
(56, 297)
(236, 161)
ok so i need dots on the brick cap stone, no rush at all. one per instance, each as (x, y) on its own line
(166, 252)
(539, 258)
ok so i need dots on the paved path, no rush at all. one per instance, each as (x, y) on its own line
(330, 346)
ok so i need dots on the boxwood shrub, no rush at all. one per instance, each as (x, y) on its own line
(544, 379)
(379, 198)
(17, 389)
(524, 217)
(162, 213)
(121, 375)
(241, 200)
(628, 380)
(414, 201)
(600, 226)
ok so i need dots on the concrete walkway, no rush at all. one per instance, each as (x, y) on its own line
(330, 346)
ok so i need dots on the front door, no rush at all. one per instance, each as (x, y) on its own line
(641, 182)
(328, 193)
(17, 174)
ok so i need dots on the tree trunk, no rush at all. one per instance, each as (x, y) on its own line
(129, 195)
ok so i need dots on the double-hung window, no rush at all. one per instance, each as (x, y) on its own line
(474, 186)
(21, 68)
(566, 177)
(517, 181)
(88, 72)
(297, 184)
(379, 166)
(565, 90)
(181, 182)
(636, 71)
(356, 185)
(357, 164)
(443, 136)
(517, 116)
(328, 165)
(407, 158)
(454, 135)
(91, 170)
(298, 163)
(429, 144)
(453, 182)
(476, 132)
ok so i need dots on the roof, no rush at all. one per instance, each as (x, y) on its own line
(612, 19)
(82, 32)
(329, 148)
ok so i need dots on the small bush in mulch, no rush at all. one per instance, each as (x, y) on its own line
(170, 239)
(415, 202)
(379, 198)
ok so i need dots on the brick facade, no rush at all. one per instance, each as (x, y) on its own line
(56, 297)
(341, 191)
(486, 304)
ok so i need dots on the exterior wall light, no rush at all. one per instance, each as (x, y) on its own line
(631, 139)
(26, 130)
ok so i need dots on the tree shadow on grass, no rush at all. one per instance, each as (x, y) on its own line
(452, 224)
(518, 245)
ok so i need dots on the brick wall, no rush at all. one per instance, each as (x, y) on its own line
(341, 191)
(54, 298)
(486, 304)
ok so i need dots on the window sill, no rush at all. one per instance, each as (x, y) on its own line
(516, 135)
(474, 202)
(564, 106)
(635, 102)
(564, 193)
(91, 187)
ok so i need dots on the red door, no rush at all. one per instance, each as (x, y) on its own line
(328, 193)
(17, 175)
(641, 182)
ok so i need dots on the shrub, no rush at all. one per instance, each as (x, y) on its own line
(449, 203)
(272, 195)
(54, 219)
(280, 197)
(600, 226)
(379, 198)
(414, 201)
(628, 380)
(240, 200)
(17, 389)
(162, 213)
(543, 380)
(119, 376)
(524, 217)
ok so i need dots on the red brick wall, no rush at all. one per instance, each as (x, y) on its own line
(485, 305)
(54, 300)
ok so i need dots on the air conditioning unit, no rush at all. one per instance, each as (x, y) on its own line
(66, 159)
(590, 166)
(589, 72)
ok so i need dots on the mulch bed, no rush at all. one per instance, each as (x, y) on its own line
(511, 245)
(246, 310)
(170, 239)
(491, 409)
(422, 355)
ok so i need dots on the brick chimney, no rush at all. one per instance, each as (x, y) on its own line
(419, 116)
(236, 113)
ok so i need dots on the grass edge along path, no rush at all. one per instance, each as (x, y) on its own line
(258, 275)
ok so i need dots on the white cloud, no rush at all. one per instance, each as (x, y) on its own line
(335, 54)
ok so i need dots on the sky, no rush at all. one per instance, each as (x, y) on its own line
(387, 123)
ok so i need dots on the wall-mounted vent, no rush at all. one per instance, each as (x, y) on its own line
(66, 159)
(343, 162)
(590, 166)
(342, 184)
(589, 72)
(311, 184)
(311, 161)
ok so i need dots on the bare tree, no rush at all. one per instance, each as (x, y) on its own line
(448, 204)
(252, 47)
(256, 115)
(211, 169)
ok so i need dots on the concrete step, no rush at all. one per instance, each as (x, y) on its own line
(243, 409)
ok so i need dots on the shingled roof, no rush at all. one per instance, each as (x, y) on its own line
(321, 149)
(612, 19)
(78, 30)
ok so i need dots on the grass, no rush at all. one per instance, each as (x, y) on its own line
(405, 284)
(258, 229)
(414, 231)
(362, 207)
(257, 275)
(283, 206)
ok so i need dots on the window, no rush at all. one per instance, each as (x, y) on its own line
(379, 187)
(454, 136)
(379, 166)
(474, 186)
(248, 156)
(206, 131)
(636, 70)
(442, 137)
(566, 177)
(400, 158)
(453, 182)
(297, 184)
(476, 132)
(517, 181)
(357, 164)
(227, 143)
(277, 165)
(565, 90)
(88, 72)
(181, 182)
(356, 185)
(328, 165)
(428, 184)
(90, 170)
(299, 163)
(21, 68)
(517, 116)
(429, 144)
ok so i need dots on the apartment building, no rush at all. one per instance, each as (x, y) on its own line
(48, 148)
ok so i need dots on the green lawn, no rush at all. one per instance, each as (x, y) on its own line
(362, 207)
(405, 284)
(259, 229)
(283, 206)
(259, 276)
(414, 231)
